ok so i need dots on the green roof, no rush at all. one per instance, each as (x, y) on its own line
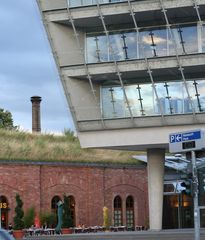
(19, 145)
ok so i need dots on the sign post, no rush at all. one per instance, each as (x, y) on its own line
(190, 142)
(195, 193)
(186, 141)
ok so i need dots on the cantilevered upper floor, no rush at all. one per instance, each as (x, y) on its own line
(135, 29)
(145, 10)
(131, 70)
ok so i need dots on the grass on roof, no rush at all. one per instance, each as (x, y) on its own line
(19, 145)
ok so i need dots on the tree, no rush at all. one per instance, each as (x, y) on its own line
(67, 220)
(6, 120)
(18, 218)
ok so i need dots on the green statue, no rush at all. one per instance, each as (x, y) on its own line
(60, 214)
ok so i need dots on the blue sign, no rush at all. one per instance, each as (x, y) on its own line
(187, 141)
(183, 137)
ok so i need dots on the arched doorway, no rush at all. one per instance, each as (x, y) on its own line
(54, 206)
(4, 208)
(130, 212)
(118, 211)
(72, 209)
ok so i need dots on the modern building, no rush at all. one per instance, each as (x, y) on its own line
(133, 72)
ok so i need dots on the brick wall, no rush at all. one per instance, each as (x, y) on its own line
(91, 187)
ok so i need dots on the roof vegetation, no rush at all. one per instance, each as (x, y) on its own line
(19, 145)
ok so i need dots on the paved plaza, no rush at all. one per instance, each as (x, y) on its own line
(181, 234)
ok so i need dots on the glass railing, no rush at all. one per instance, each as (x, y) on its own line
(78, 3)
(172, 98)
(149, 42)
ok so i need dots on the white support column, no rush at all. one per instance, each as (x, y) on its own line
(156, 158)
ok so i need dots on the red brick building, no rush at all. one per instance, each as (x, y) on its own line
(123, 189)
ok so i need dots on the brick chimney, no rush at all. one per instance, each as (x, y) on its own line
(36, 115)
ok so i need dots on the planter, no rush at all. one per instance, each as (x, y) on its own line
(18, 234)
(67, 230)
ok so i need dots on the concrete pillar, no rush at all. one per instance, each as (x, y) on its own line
(155, 165)
(36, 117)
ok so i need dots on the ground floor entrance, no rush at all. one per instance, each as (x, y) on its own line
(3, 212)
(178, 211)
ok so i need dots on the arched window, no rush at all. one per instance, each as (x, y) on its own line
(54, 202)
(72, 209)
(118, 211)
(130, 211)
(4, 211)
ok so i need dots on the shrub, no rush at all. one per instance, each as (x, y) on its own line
(19, 214)
(49, 218)
(29, 217)
(70, 135)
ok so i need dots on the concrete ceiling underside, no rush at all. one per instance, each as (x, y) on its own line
(141, 76)
(143, 19)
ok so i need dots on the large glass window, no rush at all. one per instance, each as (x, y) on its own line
(113, 102)
(118, 211)
(124, 45)
(153, 43)
(197, 92)
(172, 97)
(97, 49)
(134, 101)
(149, 42)
(185, 40)
(118, 51)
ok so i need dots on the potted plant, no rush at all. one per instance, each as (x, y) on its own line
(67, 222)
(18, 218)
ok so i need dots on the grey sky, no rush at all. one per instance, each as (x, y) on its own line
(27, 68)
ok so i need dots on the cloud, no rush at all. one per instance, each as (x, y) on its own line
(157, 40)
(27, 68)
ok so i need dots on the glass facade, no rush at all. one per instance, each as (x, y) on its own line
(148, 42)
(172, 99)
(78, 3)
(177, 211)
